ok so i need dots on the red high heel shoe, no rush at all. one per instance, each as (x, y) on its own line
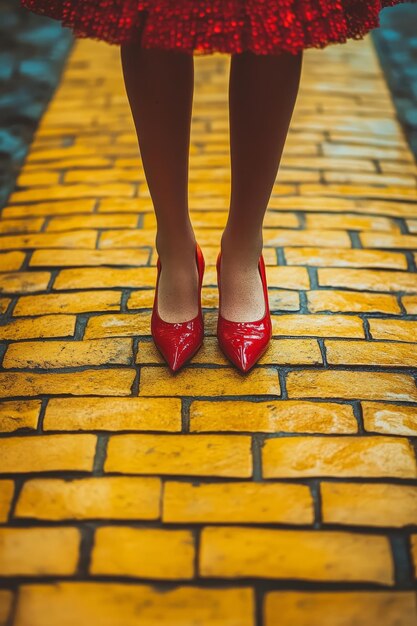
(178, 341)
(244, 342)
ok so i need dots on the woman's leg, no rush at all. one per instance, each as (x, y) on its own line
(262, 94)
(159, 85)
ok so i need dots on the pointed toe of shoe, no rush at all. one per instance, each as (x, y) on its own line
(244, 342)
(178, 342)
(246, 357)
(176, 359)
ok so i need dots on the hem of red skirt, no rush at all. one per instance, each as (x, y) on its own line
(225, 49)
(195, 37)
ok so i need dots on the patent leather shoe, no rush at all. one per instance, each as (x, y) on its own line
(244, 342)
(178, 341)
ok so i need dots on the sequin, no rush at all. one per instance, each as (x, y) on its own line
(227, 26)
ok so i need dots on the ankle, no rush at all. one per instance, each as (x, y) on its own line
(175, 248)
(241, 248)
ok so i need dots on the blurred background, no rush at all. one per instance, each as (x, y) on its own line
(33, 51)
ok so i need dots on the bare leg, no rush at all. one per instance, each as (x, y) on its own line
(262, 95)
(159, 85)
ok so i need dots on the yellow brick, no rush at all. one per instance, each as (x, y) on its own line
(109, 497)
(86, 603)
(90, 277)
(388, 240)
(143, 298)
(131, 238)
(69, 162)
(6, 602)
(68, 303)
(296, 175)
(400, 330)
(73, 258)
(117, 325)
(71, 239)
(365, 151)
(116, 382)
(333, 164)
(340, 257)
(272, 416)
(398, 168)
(111, 174)
(340, 608)
(296, 554)
(351, 123)
(391, 208)
(28, 225)
(6, 495)
(279, 351)
(126, 205)
(53, 155)
(209, 381)
(17, 414)
(390, 419)
(382, 353)
(47, 453)
(410, 304)
(282, 237)
(10, 261)
(42, 326)
(351, 301)
(351, 385)
(317, 325)
(237, 502)
(53, 354)
(358, 191)
(283, 277)
(369, 504)
(199, 455)
(312, 204)
(24, 282)
(70, 222)
(143, 552)
(63, 192)
(38, 551)
(40, 179)
(50, 208)
(294, 150)
(349, 221)
(372, 280)
(368, 179)
(338, 456)
(159, 414)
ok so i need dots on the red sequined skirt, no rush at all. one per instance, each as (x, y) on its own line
(228, 26)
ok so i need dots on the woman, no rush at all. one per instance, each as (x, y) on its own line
(266, 39)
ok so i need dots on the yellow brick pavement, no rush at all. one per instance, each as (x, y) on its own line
(282, 497)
